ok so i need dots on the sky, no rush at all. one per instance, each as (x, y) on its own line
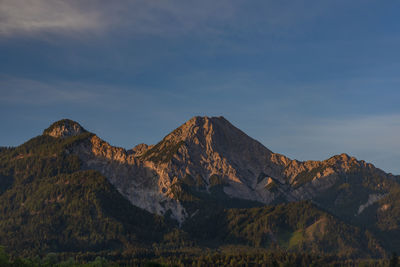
(308, 79)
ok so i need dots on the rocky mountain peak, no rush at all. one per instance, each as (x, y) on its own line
(345, 162)
(343, 157)
(196, 127)
(206, 137)
(215, 132)
(64, 128)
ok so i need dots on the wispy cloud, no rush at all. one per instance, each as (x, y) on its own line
(22, 17)
(37, 16)
(169, 17)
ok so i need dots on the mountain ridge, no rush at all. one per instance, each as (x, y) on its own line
(206, 170)
(205, 147)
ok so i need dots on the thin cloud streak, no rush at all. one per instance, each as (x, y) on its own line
(20, 17)
(160, 18)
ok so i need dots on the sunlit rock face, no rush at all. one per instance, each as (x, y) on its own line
(64, 128)
(207, 150)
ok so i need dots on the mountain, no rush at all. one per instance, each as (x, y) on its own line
(211, 151)
(48, 203)
(206, 183)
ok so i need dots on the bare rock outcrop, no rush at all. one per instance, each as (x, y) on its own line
(207, 147)
(64, 128)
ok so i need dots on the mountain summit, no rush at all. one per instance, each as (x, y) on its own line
(204, 136)
(211, 146)
(64, 128)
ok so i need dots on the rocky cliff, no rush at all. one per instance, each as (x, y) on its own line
(211, 151)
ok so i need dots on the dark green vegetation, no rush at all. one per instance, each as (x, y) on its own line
(49, 205)
(300, 226)
(381, 218)
(194, 197)
(50, 260)
(292, 227)
(384, 219)
(53, 211)
(226, 256)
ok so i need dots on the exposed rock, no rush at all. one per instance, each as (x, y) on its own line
(140, 149)
(138, 181)
(384, 207)
(204, 147)
(64, 128)
(372, 198)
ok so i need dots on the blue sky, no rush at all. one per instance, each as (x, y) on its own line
(309, 79)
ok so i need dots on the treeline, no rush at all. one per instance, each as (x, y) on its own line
(50, 260)
(47, 203)
(187, 258)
